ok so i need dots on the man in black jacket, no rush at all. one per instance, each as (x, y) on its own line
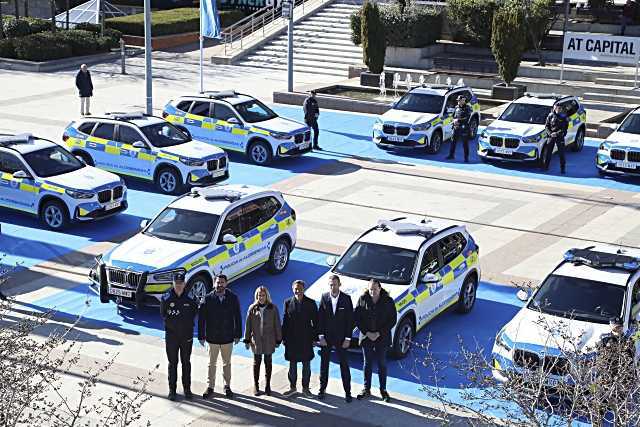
(461, 131)
(556, 126)
(335, 326)
(299, 323)
(311, 114)
(178, 311)
(85, 89)
(375, 316)
(220, 323)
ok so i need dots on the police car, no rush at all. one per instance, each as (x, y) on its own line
(425, 266)
(146, 147)
(240, 123)
(577, 299)
(519, 133)
(423, 118)
(39, 177)
(619, 154)
(229, 229)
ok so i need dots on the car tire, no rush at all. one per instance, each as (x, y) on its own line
(259, 153)
(467, 297)
(54, 215)
(199, 286)
(168, 181)
(578, 144)
(402, 338)
(279, 257)
(473, 127)
(435, 143)
(85, 157)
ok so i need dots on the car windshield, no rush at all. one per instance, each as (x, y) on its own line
(579, 299)
(185, 226)
(372, 261)
(631, 124)
(164, 135)
(52, 161)
(526, 113)
(420, 103)
(255, 111)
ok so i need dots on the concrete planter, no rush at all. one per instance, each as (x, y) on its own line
(59, 64)
(502, 91)
(409, 57)
(373, 80)
(163, 42)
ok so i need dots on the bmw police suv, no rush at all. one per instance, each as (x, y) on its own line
(619, 154)
(425, 266)
(570, 311)
(423, 118)
(519, 133)
(39, 177)
(148, 148)
(240, 123)
(229, 229)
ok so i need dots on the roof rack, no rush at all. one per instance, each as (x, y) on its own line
(220, 94)
(599, 259)
(545, 95)
(215, 193)
(406, 228)
(23, 138)
(133, 115)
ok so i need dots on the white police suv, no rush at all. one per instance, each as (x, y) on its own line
(146, 147)
(240, 123)
(423, 118)
(229, 229)
(619, 154)
(425, 266)
(519, 133)
(569, 311)
(39, 177)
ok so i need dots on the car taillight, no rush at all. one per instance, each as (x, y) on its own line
(164, 114)
(293, 214)
(65, 137)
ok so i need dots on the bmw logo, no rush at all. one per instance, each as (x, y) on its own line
(149, 251)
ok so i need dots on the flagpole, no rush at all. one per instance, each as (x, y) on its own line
(201, 51)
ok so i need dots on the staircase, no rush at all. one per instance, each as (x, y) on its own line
(322, 44)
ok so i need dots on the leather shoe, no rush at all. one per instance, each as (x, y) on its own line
(385, 396)
(208, 394)
(187, 394)
(321, 395)
(172, 396)
(228, 392)
(348, 398)
(363, 394)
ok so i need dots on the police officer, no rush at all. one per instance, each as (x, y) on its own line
(178, 311)
(461, 117)
(311, 114)
(556, 126)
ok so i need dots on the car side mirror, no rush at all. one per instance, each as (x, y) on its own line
(144, 223)
(523, 295)
(80, 159)
(429, 278)
(331, 260)
(21, 175)
(233, 121)
(139, 144)
(229, 239)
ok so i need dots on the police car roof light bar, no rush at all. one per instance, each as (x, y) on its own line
(598, 259)
(117, 115)
(221, 94)
(214, 193)
(406, 228)
(22, 138)
(545, 95)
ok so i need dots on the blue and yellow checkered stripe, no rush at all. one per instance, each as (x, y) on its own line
(7, 180)
(578, 117)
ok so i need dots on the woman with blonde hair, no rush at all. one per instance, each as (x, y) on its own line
(263, 334)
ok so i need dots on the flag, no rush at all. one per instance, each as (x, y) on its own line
(209, 19)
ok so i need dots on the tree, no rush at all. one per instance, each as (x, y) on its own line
(540, 15)
(508, 39)
(1, 22)
(373, 37)
(17, 5)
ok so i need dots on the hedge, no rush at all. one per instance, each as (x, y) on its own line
(470, 21)
(24, 26)
(7, 50)
(166, 22)
(55, 45)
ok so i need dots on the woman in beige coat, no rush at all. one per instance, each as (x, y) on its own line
(263, 334)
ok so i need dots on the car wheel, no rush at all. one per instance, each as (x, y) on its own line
(578, 144)
(54, 215)
(435, 143)
(279, 257)
(260, 153)
(198, 287)
(85, 158)
(168, 181)
(403, 337)
(473, 127)
(467, 297)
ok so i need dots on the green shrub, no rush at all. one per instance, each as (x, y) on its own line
(7, 50)
(409, 25)
(38, 25)
(356, 27)
(82, 42)
(42, 47)
(470, 21)
(509, 39)
(16, 27)
(373, 37)
(88, 26)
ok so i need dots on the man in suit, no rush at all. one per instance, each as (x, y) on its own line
(335, 326)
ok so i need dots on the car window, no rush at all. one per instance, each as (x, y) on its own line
(164, 134)
(104, 131)
(223, 112)
(86, 127)
(232, 224)
(635, 302)
(129, 135)
(270, 207)
(466, 94)
(573, 107)
(452, 246)
(201, 108)
(184, 106)
(430, 262)
(10, 163)
(255, 111)
(451, 100)
(52, 161)
(252, 216)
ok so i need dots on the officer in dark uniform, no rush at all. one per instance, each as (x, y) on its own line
(461, 131)
(556, 126)
(311, 114)
(178, 311)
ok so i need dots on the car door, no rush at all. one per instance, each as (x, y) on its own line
(428, 294)
(229, 254)
(454, 264)
(260, 230)
(103, 147)
(198, 122)
(16, 193)
(571, 110)
(137, 161)
(229, 126)
(447, 122)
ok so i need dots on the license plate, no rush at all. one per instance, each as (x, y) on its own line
(395, 138)
(626, 165)
(112, 205)
(120, 292)
(500, 150)
(551, 382)
(218, 173)
(304, 145)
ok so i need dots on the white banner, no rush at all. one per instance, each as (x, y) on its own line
(601, 47)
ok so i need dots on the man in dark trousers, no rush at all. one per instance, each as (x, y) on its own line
(375, 316)
(311, 114)
(299, 324)
(461, 131)
(85, 89)
(220, 323)
(556, 126)
(178, 311)
(335, 326)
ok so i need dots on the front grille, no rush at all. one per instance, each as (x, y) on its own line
(403, 130)
(298, 138)
(526, 359)
(511, 142)
(104, 196)
(389, 129)
(633, 156)
(124, 278)
(617, 154)
(222, 162)
(496, 141)
(556, 365)
(212, 164)
(117, 192)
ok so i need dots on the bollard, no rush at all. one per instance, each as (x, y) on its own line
(123, 55)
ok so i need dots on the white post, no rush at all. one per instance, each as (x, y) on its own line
(147, 56)
(637, 46)
(98, 9)
(201, 62)
(562, 65)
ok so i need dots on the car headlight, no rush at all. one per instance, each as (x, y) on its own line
(501, 341)
(605, 146)
(192, 162)
(421, 127)
(79, 194)
(280, 135)
(167, 276)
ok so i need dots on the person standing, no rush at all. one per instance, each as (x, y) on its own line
(335, 326)
(461, 131)
(263, 334)
(178, 311)
(556, 126)
(299, 324)
(375, 316)
(85, 88)
(311, 114)
(220, 323)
